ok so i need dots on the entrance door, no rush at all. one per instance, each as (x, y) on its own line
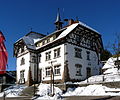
(88, 69)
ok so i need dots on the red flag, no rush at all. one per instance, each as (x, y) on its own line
(2, 38)
(3, 55)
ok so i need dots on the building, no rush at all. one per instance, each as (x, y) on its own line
(71, 53)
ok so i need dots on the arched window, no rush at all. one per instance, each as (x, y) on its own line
(22, 61)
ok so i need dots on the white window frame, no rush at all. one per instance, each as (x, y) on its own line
(48, 71)
(57, 53)
(57, 70)
(48, 55)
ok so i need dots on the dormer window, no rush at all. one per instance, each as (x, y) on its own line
(22, 61)
(43, 43)
(48, 40)
(22, 48)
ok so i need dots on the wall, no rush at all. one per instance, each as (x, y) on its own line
(56, 61)
(72, 60)
(23, 67)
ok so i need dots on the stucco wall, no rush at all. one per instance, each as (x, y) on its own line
(72, 60)
(23, 67)
(56, 61)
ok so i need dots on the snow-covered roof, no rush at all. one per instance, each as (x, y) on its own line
(30, 39)
(73, 26)
(29, 42)
(83, 24)
(63, 34)
(67, 31)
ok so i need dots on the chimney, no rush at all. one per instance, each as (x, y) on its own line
(70, 22)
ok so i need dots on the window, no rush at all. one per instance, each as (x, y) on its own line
(78, 69)
(57, 70)
(48, 40)
(22, 74)
(39, 58)
(57, 53)
(48, 71)
(88, 55)
(22, 61)
(78, 53)
(43, 43)
(48, 55)
(22, 48)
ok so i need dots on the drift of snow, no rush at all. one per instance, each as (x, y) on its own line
(110, 67)
(13, 91)
(91, 90)
(44, 92)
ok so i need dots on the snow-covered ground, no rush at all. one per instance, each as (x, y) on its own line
(90, 90)
(13, 91)
(111, 74)
(44, 91)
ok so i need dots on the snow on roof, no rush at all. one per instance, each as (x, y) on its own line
(29, 42)
(36, 40)
(63, 34)
(68, 30)
(71, 27)
(83, 24)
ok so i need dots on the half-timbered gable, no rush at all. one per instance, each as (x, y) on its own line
(85, 38)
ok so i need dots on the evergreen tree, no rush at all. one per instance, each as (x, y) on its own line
(105, 55)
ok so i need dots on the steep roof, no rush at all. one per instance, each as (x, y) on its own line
(65, 31)
(30, 39)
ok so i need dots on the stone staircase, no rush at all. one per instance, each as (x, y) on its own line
(29, 91)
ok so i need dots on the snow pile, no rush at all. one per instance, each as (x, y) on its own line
(110, 67)
(97, 78)
(44, 92)
(14, 91)
(91, 90)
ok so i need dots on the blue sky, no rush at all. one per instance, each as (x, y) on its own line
(17, 17)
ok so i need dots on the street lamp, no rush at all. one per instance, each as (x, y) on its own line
(52, 78)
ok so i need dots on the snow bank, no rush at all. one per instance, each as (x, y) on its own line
(44, 89)
(44, 92)
(91, 90)
(14, 91)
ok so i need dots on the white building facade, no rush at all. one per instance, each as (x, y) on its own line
(71, 53)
